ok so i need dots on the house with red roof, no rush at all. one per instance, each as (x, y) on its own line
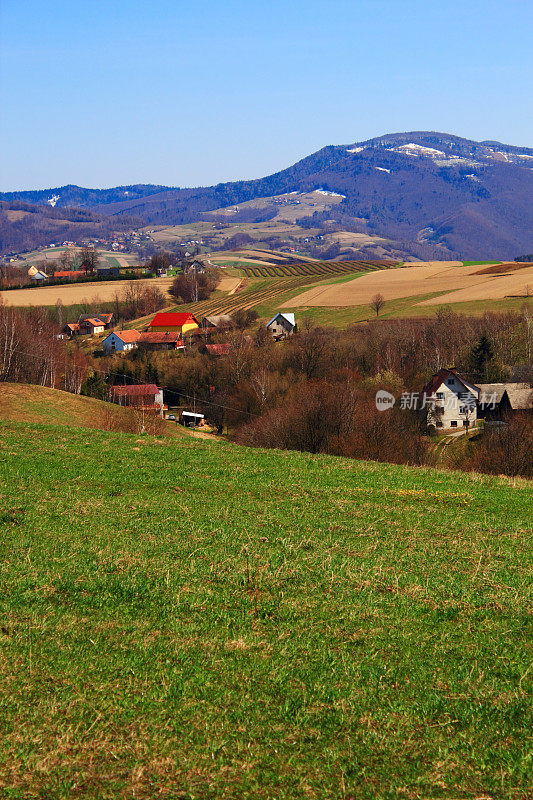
(121, 341)
(450, 401)
(142, 396)
(177, 322)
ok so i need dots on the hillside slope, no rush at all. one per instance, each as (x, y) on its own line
(186, 620)
(425, 189)
(39, 404)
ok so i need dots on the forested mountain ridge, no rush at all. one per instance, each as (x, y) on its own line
(471, 199)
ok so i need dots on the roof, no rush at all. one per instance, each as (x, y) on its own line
(160, 337)
(288, 317)
(520, 399)
(125, 336)
(72, 325)
(438, 379)
(218, 319)
(68, 273)
(191, 414)
(493, 392)
(136, 390)
(218, 349)
(95, 321)
(172, 319)
(105, 318)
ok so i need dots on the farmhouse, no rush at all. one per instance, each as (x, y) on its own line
(120, 341)
(38, 275)
(450, 401)
(216, 322)
(281, 326)
(70, 329)
(179, 322)
(92, 325)
(154, 340)
(145, 397)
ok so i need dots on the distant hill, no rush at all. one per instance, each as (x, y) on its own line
(424, 190)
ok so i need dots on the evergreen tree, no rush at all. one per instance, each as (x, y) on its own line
(481, 357)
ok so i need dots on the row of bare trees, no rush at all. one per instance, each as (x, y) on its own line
(31, 352)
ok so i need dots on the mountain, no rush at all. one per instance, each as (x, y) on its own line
(422, 189)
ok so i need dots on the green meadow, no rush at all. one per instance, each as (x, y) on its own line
(189, 619)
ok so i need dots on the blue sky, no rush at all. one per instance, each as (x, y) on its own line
(108, 92)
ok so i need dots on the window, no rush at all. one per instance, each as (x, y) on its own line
(462, 409)
(439, 424)
(453, 423)
(440, 395)
(450, 382)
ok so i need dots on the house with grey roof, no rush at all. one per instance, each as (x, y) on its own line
(281, 326)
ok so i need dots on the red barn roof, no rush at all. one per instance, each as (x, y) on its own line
(222, 349)
(172, 320)
(160, 337)
(69, 273)
(137, 390)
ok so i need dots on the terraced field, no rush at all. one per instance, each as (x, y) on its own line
(312, 268)
(264, 292)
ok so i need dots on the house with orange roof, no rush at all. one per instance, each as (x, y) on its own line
(92, 325)
(121, 341)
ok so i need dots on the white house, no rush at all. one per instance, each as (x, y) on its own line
(281, 326)
(450, 401)
(120, 341)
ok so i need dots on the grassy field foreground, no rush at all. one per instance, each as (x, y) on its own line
(185, 619)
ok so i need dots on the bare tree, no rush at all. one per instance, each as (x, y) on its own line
(377, 303)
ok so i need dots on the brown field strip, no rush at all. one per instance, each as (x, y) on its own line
(456, 283)
(72, 293)
(502, 269)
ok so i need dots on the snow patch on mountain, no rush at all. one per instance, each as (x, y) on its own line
(383, 169)
(330, 194)
(53, 200)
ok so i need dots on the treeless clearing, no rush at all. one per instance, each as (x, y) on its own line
(461, 283)
(72, 293)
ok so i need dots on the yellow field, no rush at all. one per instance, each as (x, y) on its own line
(69, 294)
(460, 284)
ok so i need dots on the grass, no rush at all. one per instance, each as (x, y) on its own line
(190, 620)
(24, 403)
(341, 316)
(478, 263)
